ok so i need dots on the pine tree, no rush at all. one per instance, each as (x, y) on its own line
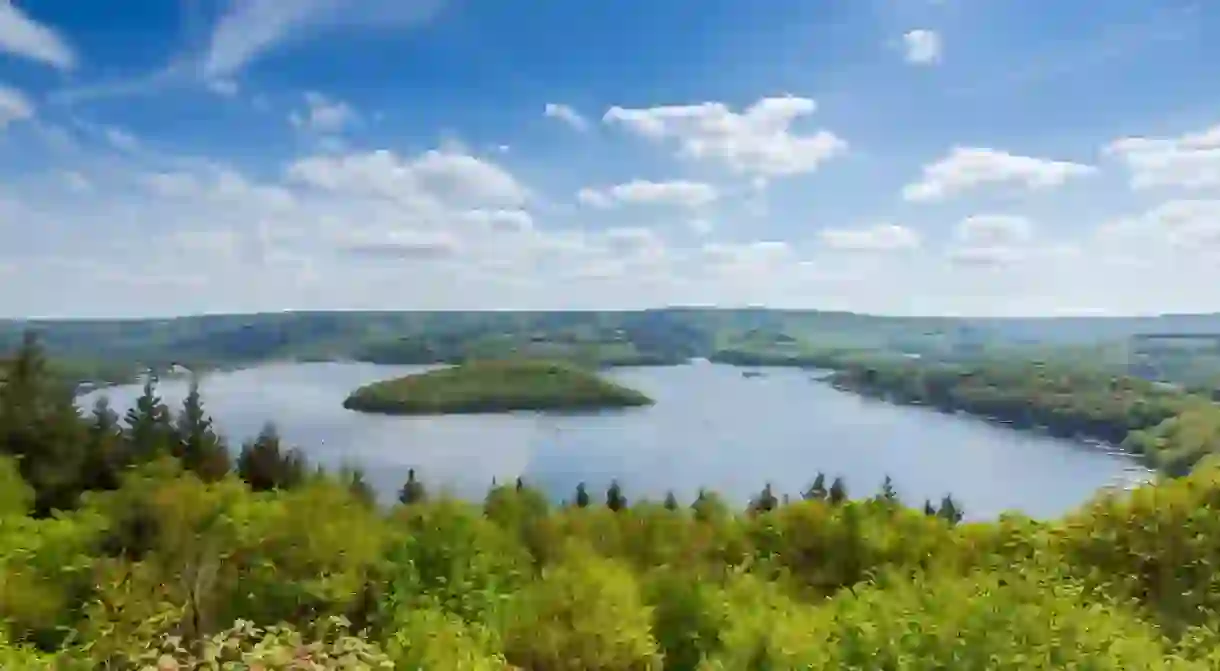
(149, 426)
(198, 446)
(106, 452)
(838, 491)
(360, 489)
(949, 510)
(671, 501)
(265, 465)
(614, 497)
(582, 496)
(412, 490)
(887, 493)
(520, 483)
(708, 506)
(817, 491)
(765, 502)
(928, 508)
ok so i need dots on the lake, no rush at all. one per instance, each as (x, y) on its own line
(710, 427)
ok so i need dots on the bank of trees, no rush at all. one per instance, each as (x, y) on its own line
(169, 563)
(1167, 426)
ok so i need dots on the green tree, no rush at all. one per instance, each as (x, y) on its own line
(265, 465)
(199, 447)
(817, 491)
(582, 496)
(107, 454)
(149, 425)
(412, 490)
(949, 510)
(888, 494)
(614, 497)
(671, 501)
(765, 502)
(838, 491)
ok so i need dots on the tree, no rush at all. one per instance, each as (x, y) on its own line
(614, 497)
(887, 493)
(765, 502)
(149, 426)
(928, 508)
(199, 448)
(949, 510)
(265, 465)
(817, 491)
(709, 507)
(838, 491)
(360, 489)
(412, 490)
(106, 452)
(671, 501)
(582, 496)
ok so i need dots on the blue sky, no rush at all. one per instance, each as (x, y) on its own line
(984, 157)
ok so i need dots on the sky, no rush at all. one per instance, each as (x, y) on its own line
(910, 157)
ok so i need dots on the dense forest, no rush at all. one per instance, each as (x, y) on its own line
(146, 542)
(114, 350)
(494, 386)
(1169, 427)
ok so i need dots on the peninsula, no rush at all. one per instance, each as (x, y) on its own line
(494, 386)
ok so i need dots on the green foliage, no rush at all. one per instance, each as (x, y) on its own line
(494, 386)
(159, 563)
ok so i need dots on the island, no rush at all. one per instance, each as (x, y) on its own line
(494, 386)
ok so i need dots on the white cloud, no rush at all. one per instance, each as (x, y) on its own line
(1190, 161)
(121, 139)
(993, 240)
(680, 193)
(567, 115)
(1187, 226)
(223, 87)
(876, 238)
(77, 182)
(923, 47)
(431, 178)
(14, 106)
(252, 28)
(968, 168)
(758, 141)
(994, 229)
(22, 36)
(323, 115)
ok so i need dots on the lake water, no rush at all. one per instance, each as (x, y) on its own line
(710, 427)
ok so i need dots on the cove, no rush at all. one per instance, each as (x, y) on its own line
(711, 426)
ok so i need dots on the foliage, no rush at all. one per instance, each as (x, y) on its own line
(492, 386)
(163, 564)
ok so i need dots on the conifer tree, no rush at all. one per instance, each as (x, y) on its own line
(888, 493)
(949, 510)
(265, 465)
(198, 446)
(928, 508)
(765, 502)
(614, 497)
(817, 491)
(106, 452)
(671, 501)
(838, 491)
(582, 496)
(412, 490)
(149, 426)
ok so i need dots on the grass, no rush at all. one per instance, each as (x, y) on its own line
(494, 386)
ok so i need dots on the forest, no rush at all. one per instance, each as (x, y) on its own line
(116, 350)
(495, 386)
(147, 542)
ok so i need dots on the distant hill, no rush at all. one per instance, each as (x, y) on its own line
(664, 335)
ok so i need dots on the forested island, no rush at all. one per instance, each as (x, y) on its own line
(494, 386)
(148, 542)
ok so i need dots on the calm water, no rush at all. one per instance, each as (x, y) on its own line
(710, 427)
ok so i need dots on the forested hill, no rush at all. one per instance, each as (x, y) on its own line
(667, 335)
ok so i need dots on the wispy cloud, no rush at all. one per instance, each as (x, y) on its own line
(22, 36)
(14, 106)
(255, 27)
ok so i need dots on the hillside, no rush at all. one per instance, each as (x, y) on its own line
(107, 349)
